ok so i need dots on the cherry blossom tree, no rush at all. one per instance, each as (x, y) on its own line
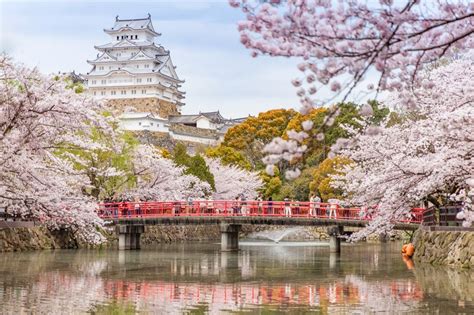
(340, 42)
(427, 157)
(37, 116)
(349, 47)
(159, 178)
(232, 181)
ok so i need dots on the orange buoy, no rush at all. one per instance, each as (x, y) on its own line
(408, 250)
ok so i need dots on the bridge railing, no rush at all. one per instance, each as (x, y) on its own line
(250, 208)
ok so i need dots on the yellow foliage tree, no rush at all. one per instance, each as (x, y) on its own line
(228, 156)
(251, 136)
(321, 183)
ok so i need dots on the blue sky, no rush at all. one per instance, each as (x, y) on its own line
(201, 35)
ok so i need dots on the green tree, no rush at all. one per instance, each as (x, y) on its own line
(194, 165)
(109, 165)
(298, 188)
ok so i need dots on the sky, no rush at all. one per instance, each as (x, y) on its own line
(202, 36)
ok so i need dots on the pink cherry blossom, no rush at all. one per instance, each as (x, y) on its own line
(423, 158)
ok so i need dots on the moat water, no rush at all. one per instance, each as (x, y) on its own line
(263, 277)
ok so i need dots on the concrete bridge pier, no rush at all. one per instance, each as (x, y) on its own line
(335, 233)
(129, 236)
(230, 237)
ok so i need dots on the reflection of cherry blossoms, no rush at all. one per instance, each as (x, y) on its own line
(38, 116)
(426, 157)
(232, 181)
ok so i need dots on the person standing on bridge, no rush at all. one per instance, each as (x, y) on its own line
(270, 205)
(260, 204)
(315, 203)
(287, 207)
(190, 204)
(333, 206)
(137, 208)
(210, 204)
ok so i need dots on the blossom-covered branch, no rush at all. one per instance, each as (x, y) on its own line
(340, 42)
(427, 157)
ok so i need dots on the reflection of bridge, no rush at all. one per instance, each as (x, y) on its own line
(131, 217)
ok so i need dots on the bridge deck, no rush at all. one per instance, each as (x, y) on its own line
(201, 220)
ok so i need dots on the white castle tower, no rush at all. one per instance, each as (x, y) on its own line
(133, 71)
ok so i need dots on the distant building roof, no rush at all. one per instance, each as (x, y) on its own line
(214, 117)
(138, 115)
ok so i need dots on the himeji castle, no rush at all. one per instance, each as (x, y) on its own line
(132, 70)
(138, 80)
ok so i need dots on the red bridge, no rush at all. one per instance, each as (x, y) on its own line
(131, 217)
(250, 208)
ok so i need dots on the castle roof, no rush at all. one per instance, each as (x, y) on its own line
(126, 43)
(134, 24)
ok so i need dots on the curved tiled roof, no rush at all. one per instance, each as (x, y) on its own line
(134, 24)
(143, 43)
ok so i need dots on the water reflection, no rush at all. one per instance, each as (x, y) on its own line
(198, 277)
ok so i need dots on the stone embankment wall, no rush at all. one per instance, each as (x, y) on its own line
(38, 237)
(33, 238)
(149, 104)
(452, 248)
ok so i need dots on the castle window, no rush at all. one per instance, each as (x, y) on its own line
(118, 37)
(147, 66)
(143, 91)
(139, 123)
(102, 93)
(113, 93)
(95, 93)
(134, 91)
(93, 81)
(123, 92)
(101, 68)
(151, 124)
(148, 79)
(103, 81)
(138, 66)
(139, 80)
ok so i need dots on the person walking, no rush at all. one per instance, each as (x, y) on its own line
(243, 203)
(287, 207)
(260, 204)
